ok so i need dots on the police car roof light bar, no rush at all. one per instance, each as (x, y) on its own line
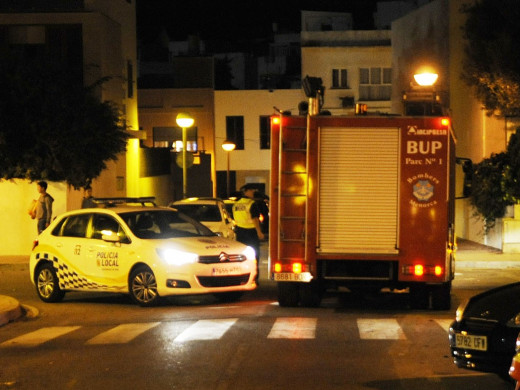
(111, 202)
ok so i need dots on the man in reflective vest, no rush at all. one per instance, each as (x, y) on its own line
(246, 214)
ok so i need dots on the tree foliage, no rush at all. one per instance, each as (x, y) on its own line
(488, 194)
(492, 58)
(496, 182)
(52, 127)
(512, 170)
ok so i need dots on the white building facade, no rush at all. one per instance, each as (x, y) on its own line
(355, 66)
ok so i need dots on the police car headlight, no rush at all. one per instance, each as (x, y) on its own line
(177, 257)
(250, 253)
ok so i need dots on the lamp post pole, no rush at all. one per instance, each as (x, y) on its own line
(228, 146)
(184, 121)
(184, 164)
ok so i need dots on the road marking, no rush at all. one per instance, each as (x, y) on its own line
(444, 324)
(380, 329)
(294, 328)
(206, 330)
(122, 334)
(283, 328)
(39, 336)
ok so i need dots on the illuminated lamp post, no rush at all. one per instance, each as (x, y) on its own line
(228, 146)
(426, 79)
(184, 121)
(422, 99)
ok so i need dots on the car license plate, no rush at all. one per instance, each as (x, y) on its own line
(223, 271)
(290, 277)
(478, 343)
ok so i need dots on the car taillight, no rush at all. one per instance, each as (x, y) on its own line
(297, 268)
(422, 270)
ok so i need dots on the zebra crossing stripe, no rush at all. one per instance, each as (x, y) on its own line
(39, 336)
(293, 328)
(283, 328)
(380, 329)
(206, 330)
(445, 324)
(122, 334)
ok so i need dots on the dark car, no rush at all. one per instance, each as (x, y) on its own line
(514, 371)
(483, 335)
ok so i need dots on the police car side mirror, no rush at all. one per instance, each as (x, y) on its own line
(111, 238)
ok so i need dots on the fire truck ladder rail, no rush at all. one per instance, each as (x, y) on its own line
(292, 182)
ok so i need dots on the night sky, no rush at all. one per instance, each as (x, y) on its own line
(246, 20)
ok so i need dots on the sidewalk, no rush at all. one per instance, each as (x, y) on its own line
(472, 255)
(469, 255)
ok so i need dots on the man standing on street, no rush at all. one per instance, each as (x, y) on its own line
(246, 214)
(43, 207)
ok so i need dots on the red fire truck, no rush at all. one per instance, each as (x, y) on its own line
(362, 202)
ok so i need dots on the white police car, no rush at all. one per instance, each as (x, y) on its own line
(211, 212)
(146, 252)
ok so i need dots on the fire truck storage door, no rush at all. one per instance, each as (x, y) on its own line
(358, 190)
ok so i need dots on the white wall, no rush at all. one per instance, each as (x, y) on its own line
(17, 229)
(251, 104)
(320, 61)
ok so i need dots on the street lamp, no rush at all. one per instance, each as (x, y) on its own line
(184, 121)
(422, 98)
(228, 146)
(426, 79)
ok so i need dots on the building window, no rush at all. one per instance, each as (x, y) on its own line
(171, 137)
(130, 79)
(339, 78)
(387, 75)
(265, 132)
(375, 83)
(235, 130)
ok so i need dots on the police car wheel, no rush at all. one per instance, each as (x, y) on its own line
(47, 284)
(143, 287)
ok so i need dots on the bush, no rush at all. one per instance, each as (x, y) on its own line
(488, 193)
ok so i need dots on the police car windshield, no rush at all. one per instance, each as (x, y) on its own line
(201, 212)
(161, 224)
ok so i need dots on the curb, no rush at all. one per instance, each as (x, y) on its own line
(10, 309)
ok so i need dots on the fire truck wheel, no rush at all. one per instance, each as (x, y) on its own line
(288, 294)
(310, 294)
(441, 296)
(419, 297)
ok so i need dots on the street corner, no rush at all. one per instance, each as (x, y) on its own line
(10, 309)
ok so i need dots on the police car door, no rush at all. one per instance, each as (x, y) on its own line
(105, 257)
(70, 249)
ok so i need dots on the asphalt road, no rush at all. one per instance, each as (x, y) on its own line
(350, 342)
